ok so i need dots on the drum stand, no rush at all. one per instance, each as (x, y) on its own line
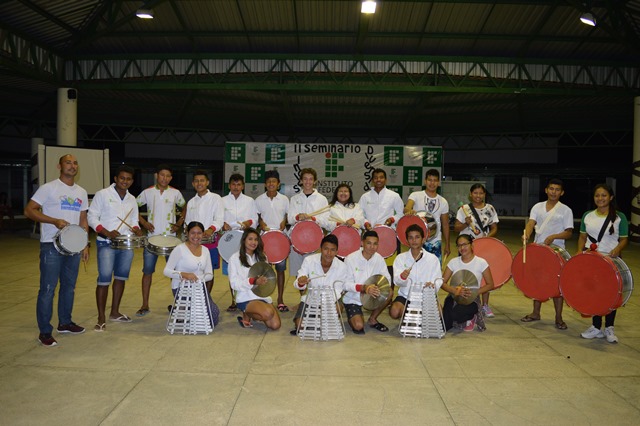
(190, 313)
(321, 320)
(422, 317)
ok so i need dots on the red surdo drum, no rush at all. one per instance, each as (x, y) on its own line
(348, 240)
(306, 236)
(387, 240)
(405, 222)
(539, 277)
(497, 256)
(595, 284)
(276, 245)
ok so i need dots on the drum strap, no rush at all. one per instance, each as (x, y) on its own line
(601, 233)
(475, 214)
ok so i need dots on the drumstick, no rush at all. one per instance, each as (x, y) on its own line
(468, 213)
(322, 210)
(84, 263)
(416, 260)
(524, 246)
(123, 221)
(342, 222)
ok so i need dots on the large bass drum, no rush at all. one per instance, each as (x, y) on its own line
(498, 256)
(539, 277)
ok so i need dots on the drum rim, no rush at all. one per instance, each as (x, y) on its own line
(403, 238)
(58, 242)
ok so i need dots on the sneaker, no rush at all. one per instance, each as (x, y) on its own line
(47, 340)
(486, 309)
(608, 333)
(71, 328)
(480, 325)
(470, 325)
(592, 333)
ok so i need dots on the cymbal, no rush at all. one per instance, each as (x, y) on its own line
(371, 303)
(263, 269)
(465, 278)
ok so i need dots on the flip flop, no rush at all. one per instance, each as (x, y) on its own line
(121, 318)
(561, 325)
(142, 312)
(357, 331)
(100, 327)
(243, 323)
(379, 326)
(528, 318)
(283, 308)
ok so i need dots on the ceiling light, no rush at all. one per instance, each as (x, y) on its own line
(145, 13)
(368, 7)
(588, 19)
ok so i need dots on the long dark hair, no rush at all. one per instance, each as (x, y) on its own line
(613, 206)
(259, 252)
(350, 203)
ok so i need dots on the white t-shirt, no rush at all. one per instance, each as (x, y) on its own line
(60, 201)
(338, 277)
(207, 209)
(362, 269)
(562, 219)
(272, 210)
(238, 210)
(239, 279)
(477, 266)
(106, 209)
(344, 213)
(592, 223)
(425, 270)
(436, 207)
(161, 207)
(488, 216)
(302, 203)
(182, 260)
(380, 206)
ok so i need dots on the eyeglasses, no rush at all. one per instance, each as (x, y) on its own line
(463, 245)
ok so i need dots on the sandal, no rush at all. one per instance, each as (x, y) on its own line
(121, 318)
(282, 307)
(142, 312)
(561, 325)
(232, 308)
(100, 327)
(379, 326)
(528, 318)
(357, 331)
(244, 324)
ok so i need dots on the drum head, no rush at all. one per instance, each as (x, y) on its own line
(276, 246)
(164, 241)
(229, 243)
(306, 236)
(539, 278)
(387, 241)
(591, 284)
(407, 221)
(497, 256)
(348, 240)
(73, 238)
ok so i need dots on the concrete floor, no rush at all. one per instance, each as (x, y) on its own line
(514, 373)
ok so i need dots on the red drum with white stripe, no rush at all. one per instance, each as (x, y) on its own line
(595, 284)
(405, 222)
(539, 278)
(276, 245)
(306, 236)
(498, 256)
(348, 240)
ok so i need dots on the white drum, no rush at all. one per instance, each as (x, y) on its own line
(162, 245)
(128, 242)
(70, 240)
(229, 243)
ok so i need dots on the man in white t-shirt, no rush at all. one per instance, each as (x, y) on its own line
(55, 205)
(434, 205)
(553, 224)
(161, 201)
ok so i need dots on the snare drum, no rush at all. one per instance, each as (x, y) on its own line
(498, 256)
(206, 239)
(405, 222)
(276, 245)
(128, 242)
(70, 240)
(387, 240)
(539, 278)
(229, 243)
(430, 222)
(595, 284)
(306, 236)
(162, 245)
(348, 240)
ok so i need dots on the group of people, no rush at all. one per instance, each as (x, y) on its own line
(114, 214)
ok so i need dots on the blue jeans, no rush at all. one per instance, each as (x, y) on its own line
(149, 261)
(53, 267)
(112, 263)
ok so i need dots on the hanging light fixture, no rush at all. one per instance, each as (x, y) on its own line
(368, 7)
(588, 19)
(144, 13)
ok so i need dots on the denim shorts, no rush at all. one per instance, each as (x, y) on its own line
(112, 263)
(149, 261)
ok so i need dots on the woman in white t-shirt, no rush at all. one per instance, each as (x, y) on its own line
(469, 316)
(344, 211)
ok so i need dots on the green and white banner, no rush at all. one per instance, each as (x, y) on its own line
(334, 163)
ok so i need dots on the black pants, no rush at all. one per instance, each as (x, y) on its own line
(452, 311)
(608, 320)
